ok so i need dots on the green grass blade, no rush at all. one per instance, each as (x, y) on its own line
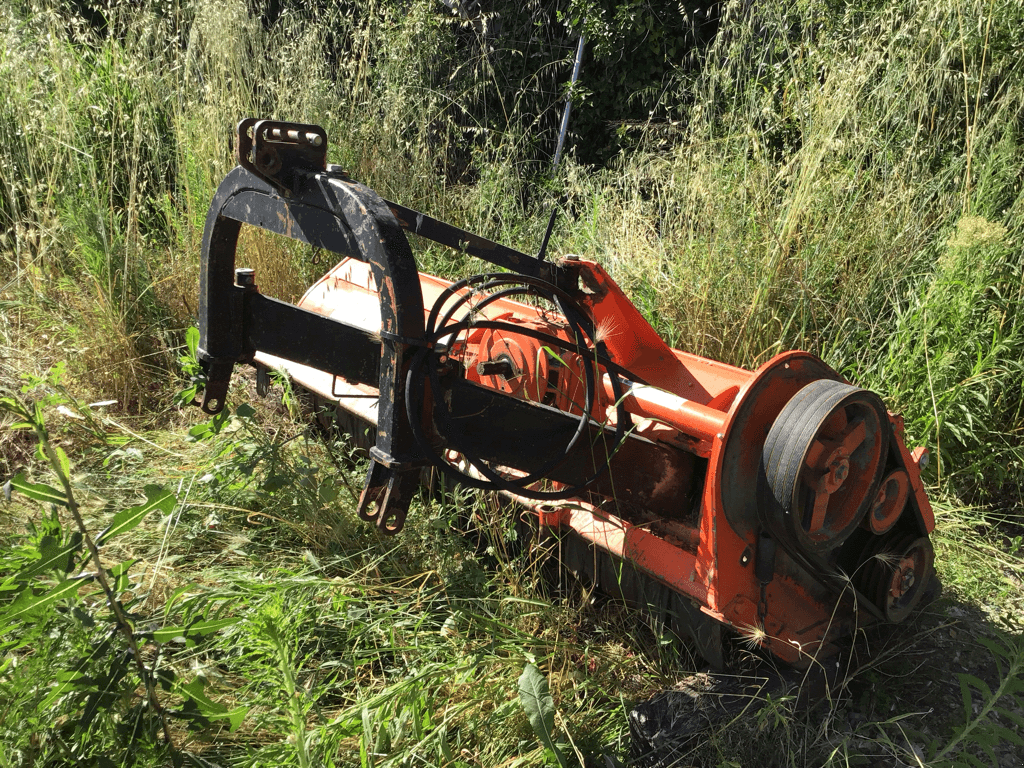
(28, 605)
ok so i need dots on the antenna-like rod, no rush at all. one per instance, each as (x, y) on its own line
(547, 234)
(561, 141)
(568, 102)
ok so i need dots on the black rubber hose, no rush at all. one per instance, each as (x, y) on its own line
(448, 329)
(582, 332)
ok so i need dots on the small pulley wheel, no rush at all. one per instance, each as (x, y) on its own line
(889, 502)
(896, 573)
(823, 460)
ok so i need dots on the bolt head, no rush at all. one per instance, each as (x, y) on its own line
(245, 277)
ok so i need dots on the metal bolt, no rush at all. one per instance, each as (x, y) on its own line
(498, 367)
(245, 277)
(571, 257)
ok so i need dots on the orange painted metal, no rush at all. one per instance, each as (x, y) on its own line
(719, 413)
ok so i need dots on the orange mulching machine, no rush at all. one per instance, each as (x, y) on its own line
(780, 503)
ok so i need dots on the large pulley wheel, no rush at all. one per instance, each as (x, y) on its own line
(895, 573)
(823, 461)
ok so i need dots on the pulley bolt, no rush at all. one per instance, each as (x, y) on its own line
(245, 277)
(834, 476)
(904, 579)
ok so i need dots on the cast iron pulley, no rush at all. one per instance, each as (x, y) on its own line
(889, 502)
(823, 460)
(895, 573)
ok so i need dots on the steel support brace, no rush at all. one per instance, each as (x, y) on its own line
(340, 215)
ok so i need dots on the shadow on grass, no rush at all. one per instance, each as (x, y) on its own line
(941, 689)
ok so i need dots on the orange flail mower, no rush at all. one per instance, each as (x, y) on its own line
(780, 503)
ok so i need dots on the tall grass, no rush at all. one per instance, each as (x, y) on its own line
(848, 182)
(843, 180)
(284, 632)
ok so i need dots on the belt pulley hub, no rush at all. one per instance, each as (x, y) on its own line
(895, 573)
(889, 502)
(823, 460)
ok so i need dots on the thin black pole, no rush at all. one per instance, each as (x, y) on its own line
(568, 102)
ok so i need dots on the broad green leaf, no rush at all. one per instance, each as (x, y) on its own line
(84, 618)
(167, 634)
(119, 573)
(540, 708)
(192, 341)
(196, 691)
(209, 428)
(37, 491)
(328, 491)
(245, 411)
(166, 677)
(126, 520)
(53, 557)
(235, 718)
(28, 604)
(210, 708)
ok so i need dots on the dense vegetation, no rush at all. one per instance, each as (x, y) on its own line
(841, 178)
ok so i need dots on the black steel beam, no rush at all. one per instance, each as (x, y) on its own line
(305, 337)
(461, 240)
(503, 430)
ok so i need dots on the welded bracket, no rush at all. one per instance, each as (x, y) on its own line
(281, 153)
(330, 211)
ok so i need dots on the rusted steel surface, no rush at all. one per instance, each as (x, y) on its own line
(281, 153)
